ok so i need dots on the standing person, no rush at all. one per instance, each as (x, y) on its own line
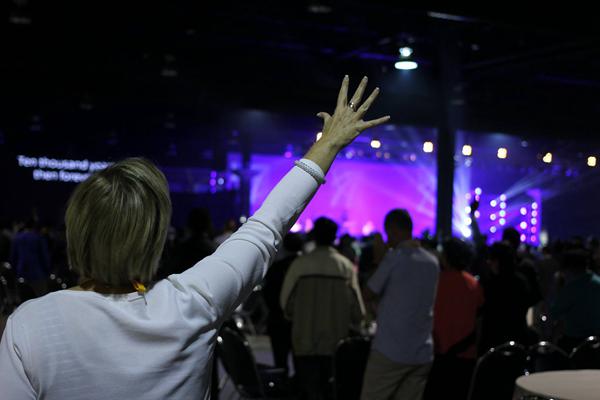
(278, 327)
(321, 296)
(31, 258)
(577, 303)
(404, 284)
(457, 304)
(120, 334)
(507, 299)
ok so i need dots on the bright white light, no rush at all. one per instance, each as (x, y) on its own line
(466, 232)
(493, 217)
(502, 197)
(468, 209)
(493, 203)
(296, 228)
(591, 161)
(406, 65)
(533, 221)
(468, 221)
(502, 153)
(523, 225)
(523, 211)
(534, 206)
(534, 213)
(503, 205)
(375, 143)
(523, 238)
(502, 213)
(243, 219)
(405, 51)
(502, 221)
(428, 147)
(493, 229)
(467, 150)
(477, 214)
(319, 135)
(547, 158)
(478, 191)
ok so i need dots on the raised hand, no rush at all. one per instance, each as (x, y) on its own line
(345, 125)
(347, 120)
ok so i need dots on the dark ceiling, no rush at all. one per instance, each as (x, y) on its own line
(100, 68)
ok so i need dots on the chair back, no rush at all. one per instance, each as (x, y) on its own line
(238, 360)
(496, 372)
(546, 356)
(349, 364)
(587, 354)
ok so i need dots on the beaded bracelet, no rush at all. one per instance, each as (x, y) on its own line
(311, 171)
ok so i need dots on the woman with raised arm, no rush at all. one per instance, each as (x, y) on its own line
(120, 336)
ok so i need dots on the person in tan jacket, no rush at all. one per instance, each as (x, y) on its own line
(321, 297)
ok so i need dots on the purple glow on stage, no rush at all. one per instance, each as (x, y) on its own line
(357, 194)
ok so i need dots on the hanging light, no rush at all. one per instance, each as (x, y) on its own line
(405, 62)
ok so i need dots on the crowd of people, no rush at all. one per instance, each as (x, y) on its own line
(431, 308)
(434, 307)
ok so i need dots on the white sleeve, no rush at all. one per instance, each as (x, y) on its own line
(14, 383)
(227, 277)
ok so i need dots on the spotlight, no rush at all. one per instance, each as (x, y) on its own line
(478, 191)
(523, 225)
(502, 197)
(502, 221)
(406, 65)
(405, 51)
(523, 211)
(375, 143)
(523, 237)
(467, 150)
(533, 221)
(428, 147)
(502, 153)
(493, 217)
(503, 205)
(406, 62)
(547, 158)
(534, 213)
(591, 161)
(493, 229)
(319, 135)
(493, 203)
(502, 213)
(534, 206)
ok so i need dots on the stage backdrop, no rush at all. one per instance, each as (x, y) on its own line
(357, 194)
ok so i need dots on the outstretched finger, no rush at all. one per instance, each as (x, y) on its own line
(324, 116)
(373, 122)
(357, 97)
(363, 109)
(343, 95)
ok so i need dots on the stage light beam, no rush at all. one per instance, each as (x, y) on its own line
(502, 153)
(547, 158)
(592, 161)
(467, 150)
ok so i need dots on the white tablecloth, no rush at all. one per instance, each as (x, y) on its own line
(564, 385)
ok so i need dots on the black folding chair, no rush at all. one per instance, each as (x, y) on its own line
(251, 380)
(546, 356)
(349, 364)
(496, 372)
(587, 354)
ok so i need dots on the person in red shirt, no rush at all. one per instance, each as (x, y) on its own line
(458, 301)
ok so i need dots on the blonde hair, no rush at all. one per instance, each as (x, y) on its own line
(117, 223)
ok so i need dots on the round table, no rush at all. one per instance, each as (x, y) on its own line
(583, 384)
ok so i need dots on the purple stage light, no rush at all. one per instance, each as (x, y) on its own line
(358, 194)
(523, 211)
